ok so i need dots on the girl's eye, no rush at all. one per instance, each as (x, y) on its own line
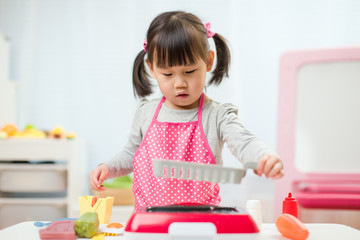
(190, 71)
(167, 74)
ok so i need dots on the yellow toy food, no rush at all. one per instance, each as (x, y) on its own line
(99, 236)
(115, 225)
(70, 135)
(3, 135)
(30, 132)
(102, 206)
(57, 132)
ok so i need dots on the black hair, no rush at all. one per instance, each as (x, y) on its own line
(174, 39)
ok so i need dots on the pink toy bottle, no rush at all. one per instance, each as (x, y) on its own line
(290, 206)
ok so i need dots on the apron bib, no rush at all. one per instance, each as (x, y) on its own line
(182, 141)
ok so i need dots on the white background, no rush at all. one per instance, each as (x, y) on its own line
(73, 61)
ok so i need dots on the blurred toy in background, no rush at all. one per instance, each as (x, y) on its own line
(10, 130)
(57, 132)
(70, 135)
(30, 132)
(3, 135)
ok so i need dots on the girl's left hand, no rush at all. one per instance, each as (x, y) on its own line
(271, 166)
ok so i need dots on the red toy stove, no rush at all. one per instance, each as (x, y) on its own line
(190, 222)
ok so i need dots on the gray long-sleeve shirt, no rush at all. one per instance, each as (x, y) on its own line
(220, 123)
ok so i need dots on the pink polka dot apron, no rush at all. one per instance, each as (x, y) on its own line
(182, 141)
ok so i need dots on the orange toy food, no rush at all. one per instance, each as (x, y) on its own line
(93, 202)
(10, 128)
(114, 225)
(291, 227)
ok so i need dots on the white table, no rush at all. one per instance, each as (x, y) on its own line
(318, 231)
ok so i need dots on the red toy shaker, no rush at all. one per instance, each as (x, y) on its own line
(290, 206)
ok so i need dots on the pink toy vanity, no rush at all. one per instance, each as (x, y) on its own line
(318, 127)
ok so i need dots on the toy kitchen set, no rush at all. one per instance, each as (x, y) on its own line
(175, 222)
(185, 221)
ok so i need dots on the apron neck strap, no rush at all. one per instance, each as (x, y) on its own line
(201, 107)
(158, 108)
(199, 111)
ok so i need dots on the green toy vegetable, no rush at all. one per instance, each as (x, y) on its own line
(87, 225)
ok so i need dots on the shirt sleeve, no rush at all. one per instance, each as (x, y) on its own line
(122, 163)
(241, 142)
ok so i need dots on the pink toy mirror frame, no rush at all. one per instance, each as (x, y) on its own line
(312, 190)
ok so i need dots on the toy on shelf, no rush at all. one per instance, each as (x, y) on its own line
(102, 206)
(30, 132)
(57, 132)
(70, 135)
(10, 129)
(60, 132)
(3, 135)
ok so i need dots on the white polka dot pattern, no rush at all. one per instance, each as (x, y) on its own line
(173, 142)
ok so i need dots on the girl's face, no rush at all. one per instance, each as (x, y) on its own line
(182, 86)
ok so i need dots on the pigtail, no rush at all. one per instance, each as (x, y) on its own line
(223, 60)
(141, 83)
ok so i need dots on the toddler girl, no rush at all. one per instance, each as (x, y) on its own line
(184, 125)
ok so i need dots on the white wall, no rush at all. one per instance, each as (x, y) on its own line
(73, 60)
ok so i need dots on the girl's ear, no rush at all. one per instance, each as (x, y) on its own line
(210, 60)
(151, 68)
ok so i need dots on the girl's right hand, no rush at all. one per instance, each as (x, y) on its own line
(98, 176)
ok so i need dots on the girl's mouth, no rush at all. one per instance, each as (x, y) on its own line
(182, 95)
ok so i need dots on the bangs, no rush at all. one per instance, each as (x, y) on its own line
(178, 47)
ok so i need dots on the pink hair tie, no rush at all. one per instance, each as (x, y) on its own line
(145, 44)
(209, 33)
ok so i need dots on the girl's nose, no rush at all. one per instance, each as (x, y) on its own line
(180, 83)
